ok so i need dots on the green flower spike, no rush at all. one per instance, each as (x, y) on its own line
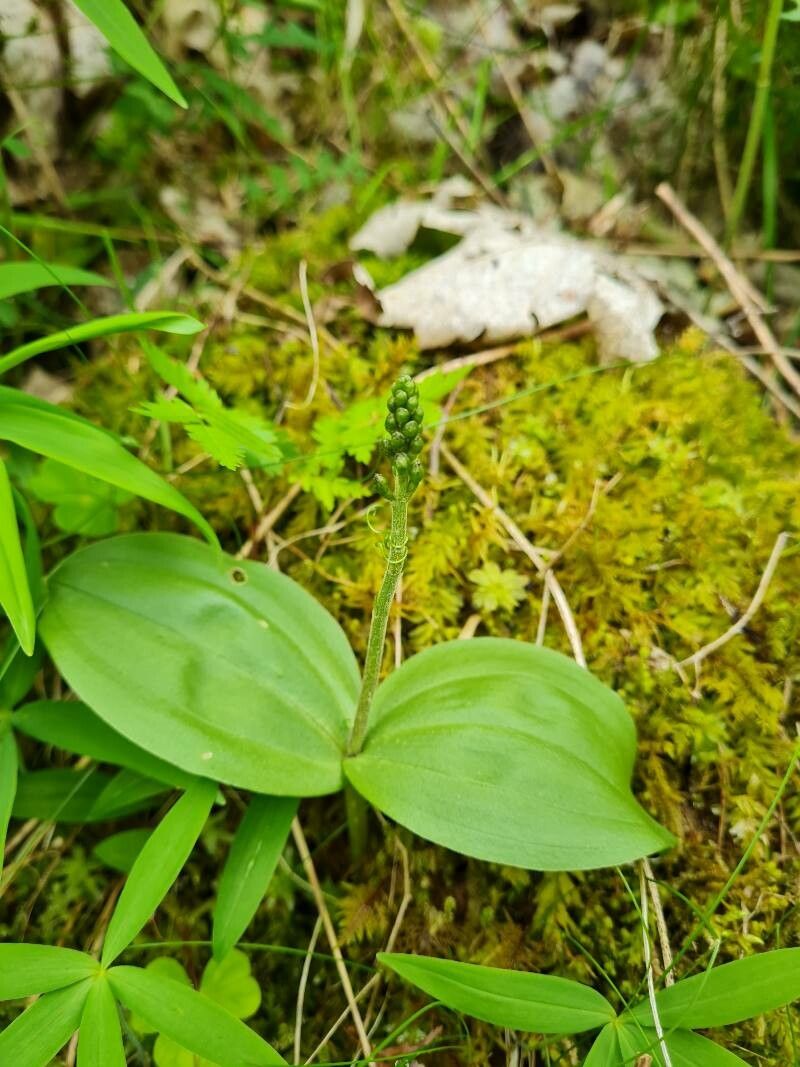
(402, 445)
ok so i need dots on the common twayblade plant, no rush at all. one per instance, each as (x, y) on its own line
(228, 670)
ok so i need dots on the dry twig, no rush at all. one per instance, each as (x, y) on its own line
(648, 962)
(748, 299)
(744, 619)
(330, 933)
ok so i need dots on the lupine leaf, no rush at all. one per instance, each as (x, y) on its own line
(730, 993)
(157, 866)
(35, 1037)
(26, 970)
(191, 1019)
(537, 1003)
(100, 1039)
(252, 860)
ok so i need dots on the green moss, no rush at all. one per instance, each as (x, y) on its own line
(691, 480)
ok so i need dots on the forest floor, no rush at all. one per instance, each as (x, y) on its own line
(629, 430)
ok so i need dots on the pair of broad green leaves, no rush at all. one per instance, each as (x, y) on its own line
(230, 671)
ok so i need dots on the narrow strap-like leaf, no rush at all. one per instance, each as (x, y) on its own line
(252, 860)
(730, 993)
(8, 783)
(605, 1051)
(122, 32)
(686, 1049)
(29, 969)
(165, 321)
(15, 594)
(26, 277)
(34, 1038)
(74, 727)
(50, 431)
(157, 866)
(192, 1020)
(100, 1039)
(539, 1003)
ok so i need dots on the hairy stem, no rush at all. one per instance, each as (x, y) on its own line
(396, 550)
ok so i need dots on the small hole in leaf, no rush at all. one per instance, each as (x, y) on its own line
(238, 576)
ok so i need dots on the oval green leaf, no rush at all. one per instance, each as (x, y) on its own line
(507, 752)
(252, 860)
(26, 970)
(74, 727)
(728, 994)
(191, 1019)
(163, 321)
(537, 1003)
(50, 431)
(15, 593)
(122, 32)
(100, 1038)
(157, 866)
(34, 1038)
(224, 668)
(26, 277)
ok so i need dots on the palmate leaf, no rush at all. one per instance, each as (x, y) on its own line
(253, 857)
(537, 1003)
(50, 431)
(157, 866)
(507, 752)
(229, 436)
(226, 669)
(193, 1020)
(35, 1037)
(728, 994)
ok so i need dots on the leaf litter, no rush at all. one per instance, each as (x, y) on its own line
(507, 277)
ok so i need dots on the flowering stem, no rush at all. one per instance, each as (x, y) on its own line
(402, 444)
(396, 551)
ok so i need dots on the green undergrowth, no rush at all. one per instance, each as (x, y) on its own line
(666, 485)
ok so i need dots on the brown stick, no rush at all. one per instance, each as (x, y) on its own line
(330, 933)
(742, 291)
(743, 621)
